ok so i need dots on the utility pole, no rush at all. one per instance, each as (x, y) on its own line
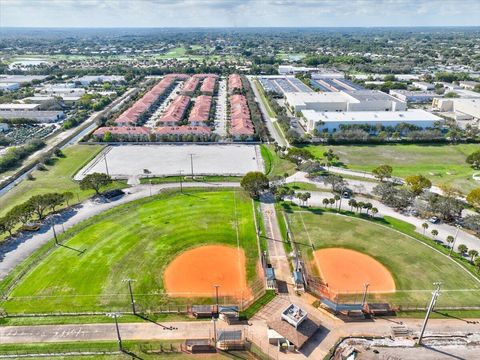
(454, 241)
(54, 232)
(115, 316)
(132, 300)
(365, 291)
(435, 296)
(191, 164)
(180, 176)
(216, 300)
(106, 165)
(150, 181)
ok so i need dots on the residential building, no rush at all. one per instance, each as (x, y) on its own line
(241, 125)
(175, 111)
(333, 121)
(190, 86)
(123, 133)
(208, 85)
(234, 83)
(200, 112)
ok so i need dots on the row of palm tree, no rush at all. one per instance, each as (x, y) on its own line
(359, 206)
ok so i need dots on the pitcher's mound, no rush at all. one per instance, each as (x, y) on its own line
(347, 270)
(195, 272)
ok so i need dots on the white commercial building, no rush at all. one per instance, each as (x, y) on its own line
(20, 79)
(19, 107)
(292, 70)
(35, 115)
(423, 85)
(361, 100)
(414, 96)
(3, 127)
(86, 80)
(469, 85)
(9, 86)
(464, 109)
(332, 121)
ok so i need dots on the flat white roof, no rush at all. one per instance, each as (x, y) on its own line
(300, 98)
(18, 106)
(368, 116)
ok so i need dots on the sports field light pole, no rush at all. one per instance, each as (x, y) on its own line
(106, 164)
(216, 299)
(115, 316)
(365, 291)
(435, 296)
(54, 232)
(454, 240)
(180, 172)
(129, 282)
(191, 164)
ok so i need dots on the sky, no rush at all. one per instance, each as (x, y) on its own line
(238, 13)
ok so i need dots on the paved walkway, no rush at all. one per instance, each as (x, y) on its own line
(365, 187)
(16, 250)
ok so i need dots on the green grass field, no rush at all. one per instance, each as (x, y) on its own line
(58, 177)
(136, 240)
(275, 165)
(414, 266)
(440, 163)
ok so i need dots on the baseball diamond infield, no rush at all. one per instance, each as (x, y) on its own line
(197, 270)
(347, 270)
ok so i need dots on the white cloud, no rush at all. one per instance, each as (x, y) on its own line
(212, 13)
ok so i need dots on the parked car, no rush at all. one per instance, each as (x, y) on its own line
(31, 226)
(434, 220)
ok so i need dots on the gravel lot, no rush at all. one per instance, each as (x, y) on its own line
(127, 161)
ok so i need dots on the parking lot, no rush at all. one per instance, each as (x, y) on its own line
(221, 109)
(134, 161)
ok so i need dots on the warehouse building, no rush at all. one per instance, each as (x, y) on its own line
(361, 100)
(463, 109)
(34, 115)
(9, 86)
(87, 80)
(416, 97)
(333, 121)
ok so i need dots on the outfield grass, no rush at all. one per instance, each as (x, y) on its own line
(58, 177)
(274, 164)
(440, 163)
(414, 266)
(135, 240)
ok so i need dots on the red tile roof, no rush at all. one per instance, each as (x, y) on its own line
(208, 85)
(240, 121)
(234, 82)
(201, 110)
(190, 85)
(176, 110)
(184, 129)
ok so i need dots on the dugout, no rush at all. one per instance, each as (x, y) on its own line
(202, 311)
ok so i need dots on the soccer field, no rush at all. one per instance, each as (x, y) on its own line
(440, 163)
(413, 265)
(136, 240)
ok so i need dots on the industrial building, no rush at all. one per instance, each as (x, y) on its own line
(333, 121)
(463, 109)
(9, 86)
(423, 85)
(87, 80)
(416, 97)
(361, 100)
(21, 79)
(35, 115)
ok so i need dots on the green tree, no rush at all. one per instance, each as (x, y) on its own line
(255, 183)
(22, 212)
(325, 202)
(383, 172)
(418, 184)
(474, 159)
(7, 223)
(425, 227)
(374, 211)
(473, 254)
(297, 155)
(107, 137)
(462, 249)
(477, 263)
(352, 203)
(40, 204)
(95, 181)
(473, 198)
(450, 240)
(434, 233)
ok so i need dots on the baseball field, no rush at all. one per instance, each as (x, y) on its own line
(400, 269)
(161, 243)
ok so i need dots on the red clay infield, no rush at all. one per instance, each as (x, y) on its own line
(195, 272)
(347, 270)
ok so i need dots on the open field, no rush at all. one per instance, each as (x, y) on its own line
(273, 164)
(165, 160)
(136, 240)
(440, 163)
(57, 178)
(413, 265)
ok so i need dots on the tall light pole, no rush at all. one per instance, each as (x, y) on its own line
(365, 291)
(54, 232)
(180, 176)
(115, 316)
(191, 164)
(106, 165)
(216, 300)
(454, 240)
(433, 301)
(150, 181)
(132, 300)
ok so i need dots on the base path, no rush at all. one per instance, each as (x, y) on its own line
(195, 272)
(346, 270)
(18, 249)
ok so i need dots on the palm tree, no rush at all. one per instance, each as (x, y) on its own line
(462, 249)
(434, 233)
(450, 240)
(331, 201)
(337, 197)
(473, 254)
(374, 211)
(325, 202)
(425, 227)
(306, 196)
(477, 263)
(352, 203)
(360, 206)
(367, 206)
